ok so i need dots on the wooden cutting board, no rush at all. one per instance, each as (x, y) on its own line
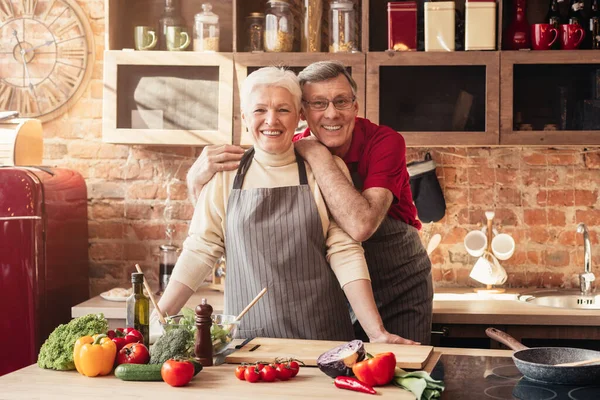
(267, 349)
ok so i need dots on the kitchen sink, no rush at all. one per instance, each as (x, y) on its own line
(562, 299)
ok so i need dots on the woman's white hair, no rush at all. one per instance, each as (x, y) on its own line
(270, 76)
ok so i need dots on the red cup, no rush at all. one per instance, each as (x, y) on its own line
(543, 36)
(571, 36)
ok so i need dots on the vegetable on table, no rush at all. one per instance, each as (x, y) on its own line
(376, 371)
(94, 355)
(57, 350)
(174, 343)
(177, 372)
(339, 360)
(122, 336)
(139, 372)
(133, 353)
(420, 383)
(349, 383)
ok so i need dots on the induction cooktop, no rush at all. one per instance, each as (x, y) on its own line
(481, 378)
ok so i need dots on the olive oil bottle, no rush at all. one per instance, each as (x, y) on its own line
(138, 308)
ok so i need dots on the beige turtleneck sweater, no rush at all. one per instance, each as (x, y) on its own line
(206, 237)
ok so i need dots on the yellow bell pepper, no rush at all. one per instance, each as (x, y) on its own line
(94, 355)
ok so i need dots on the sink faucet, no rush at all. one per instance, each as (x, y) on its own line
(586, 279)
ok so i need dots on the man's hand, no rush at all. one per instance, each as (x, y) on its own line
(386, 337)
(213, 159)
(310, 147)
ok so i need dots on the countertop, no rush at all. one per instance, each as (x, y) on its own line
(450, 306)
(216, 382)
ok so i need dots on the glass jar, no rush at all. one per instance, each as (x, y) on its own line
(279, 26)
(342, 26)
(168, 258)
(206, 30)
(310, 39)
(255, 23)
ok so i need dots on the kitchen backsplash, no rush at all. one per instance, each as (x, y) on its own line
(135, 192)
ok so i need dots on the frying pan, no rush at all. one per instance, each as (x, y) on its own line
(539, 364)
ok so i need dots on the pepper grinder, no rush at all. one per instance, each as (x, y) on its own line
(203, 347)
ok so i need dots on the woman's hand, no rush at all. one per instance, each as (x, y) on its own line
(311, 147)
(386, 337)
(213, 159)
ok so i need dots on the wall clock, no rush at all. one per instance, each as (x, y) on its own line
(46, 56)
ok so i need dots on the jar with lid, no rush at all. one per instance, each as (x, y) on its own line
(255, 23)
(279, 26)
(168, 258)
(342, 26)
(206, 29)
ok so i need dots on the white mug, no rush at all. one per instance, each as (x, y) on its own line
(475, 243)
(503, 246)
(483, 271)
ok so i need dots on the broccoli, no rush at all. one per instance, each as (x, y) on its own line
(175, 342)
(57, 350)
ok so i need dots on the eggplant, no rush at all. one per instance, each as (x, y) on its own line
(339, 361)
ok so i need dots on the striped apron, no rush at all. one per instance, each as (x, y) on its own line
(275, 240)
(401, 277)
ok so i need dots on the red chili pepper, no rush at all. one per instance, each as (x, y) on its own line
(346, 382)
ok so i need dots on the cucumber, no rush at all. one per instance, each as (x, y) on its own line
(139, 372)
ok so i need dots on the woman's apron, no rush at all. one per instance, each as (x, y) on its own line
(274, 239)
(400, 272)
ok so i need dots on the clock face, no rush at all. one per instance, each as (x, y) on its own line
(46, 56)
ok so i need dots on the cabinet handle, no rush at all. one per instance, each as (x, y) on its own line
(445, 331)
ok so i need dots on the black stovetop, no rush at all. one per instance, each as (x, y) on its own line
(481, 378)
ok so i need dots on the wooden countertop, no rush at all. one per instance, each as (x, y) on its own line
(216, 382)
(450, 306)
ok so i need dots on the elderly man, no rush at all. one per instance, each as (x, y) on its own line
(377, 209)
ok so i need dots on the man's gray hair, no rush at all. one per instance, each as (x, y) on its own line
(270, 77)
(324, 70)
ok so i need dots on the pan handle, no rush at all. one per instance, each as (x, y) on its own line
(505, 338)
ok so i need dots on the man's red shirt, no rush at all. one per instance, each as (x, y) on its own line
(380, 153)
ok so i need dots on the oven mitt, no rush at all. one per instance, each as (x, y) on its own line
(426, 191)
(419, 383)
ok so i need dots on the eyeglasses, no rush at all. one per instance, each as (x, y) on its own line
(340, 103)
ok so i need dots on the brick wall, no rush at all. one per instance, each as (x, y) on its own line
(538, 195)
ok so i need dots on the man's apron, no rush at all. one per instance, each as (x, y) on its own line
(400, 272)
(274, 239)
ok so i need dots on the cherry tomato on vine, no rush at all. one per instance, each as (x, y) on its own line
(251, 375)
(239, 372)
(268, 374)
(294, 367)
(283, 372)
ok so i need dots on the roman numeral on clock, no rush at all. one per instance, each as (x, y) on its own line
(44, 16)
(25, 101)
(6, 10)
(29, 6)
(72, 52)
(6, 94)
(65, 28)
(67, 77)
(52, 94)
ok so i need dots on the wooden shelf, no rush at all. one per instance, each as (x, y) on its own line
(568, 137)
(155, 97)
(487, 60)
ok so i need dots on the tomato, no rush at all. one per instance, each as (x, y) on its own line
(268, 374)
(283, 372)
(239, 372)
(259, 366)
(176, 372)
(294, 367)
(251, 375)
(133, 353)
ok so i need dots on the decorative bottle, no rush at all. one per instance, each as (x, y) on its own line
(517, 36)
(170, 17)
(138, 308)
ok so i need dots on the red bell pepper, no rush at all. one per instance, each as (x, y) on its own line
(123, 336)
(346, 382)
(376, 371)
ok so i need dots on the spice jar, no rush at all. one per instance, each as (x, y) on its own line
(255, 28)
(279, 26)
(342, 26)
(206, 30)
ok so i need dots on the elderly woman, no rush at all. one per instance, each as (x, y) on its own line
(270, 218)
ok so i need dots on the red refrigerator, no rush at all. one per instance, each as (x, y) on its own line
(43, 257)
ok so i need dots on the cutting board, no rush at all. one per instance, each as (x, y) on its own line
(267, 349)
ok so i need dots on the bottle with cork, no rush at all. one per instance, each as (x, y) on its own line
(138, 308)
(203, 348)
